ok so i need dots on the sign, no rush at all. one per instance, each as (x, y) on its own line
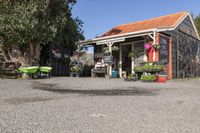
(111, 41)
(108, 59)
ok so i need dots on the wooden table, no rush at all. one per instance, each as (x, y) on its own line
(99, 71)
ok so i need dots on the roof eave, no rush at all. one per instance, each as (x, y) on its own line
(126, 35)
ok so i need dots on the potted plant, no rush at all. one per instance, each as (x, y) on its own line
(138, 69)
(131, 77)
(132, 54)
(107, 52)
(158, 68)
(75, 70)
(156, 46)
(148, 78)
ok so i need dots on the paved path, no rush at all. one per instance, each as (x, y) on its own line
(85, 105)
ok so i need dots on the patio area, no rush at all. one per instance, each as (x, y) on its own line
(98, 105)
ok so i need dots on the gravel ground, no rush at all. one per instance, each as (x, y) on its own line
(86, 105)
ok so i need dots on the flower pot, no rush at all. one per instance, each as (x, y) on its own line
(161, 78)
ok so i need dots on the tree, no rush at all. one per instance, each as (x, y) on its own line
(197, 23)
(26, 24)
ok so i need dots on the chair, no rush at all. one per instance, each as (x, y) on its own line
(9, 68)
(1, 69)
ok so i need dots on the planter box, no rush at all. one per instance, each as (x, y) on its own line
(74, 75)
(127, 79)
(161, 78)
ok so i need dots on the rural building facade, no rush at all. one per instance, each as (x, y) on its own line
(176, 35)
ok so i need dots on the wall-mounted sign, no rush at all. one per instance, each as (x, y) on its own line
(121, 39)
(108, 59)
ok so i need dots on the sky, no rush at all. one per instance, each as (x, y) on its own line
(100, 16)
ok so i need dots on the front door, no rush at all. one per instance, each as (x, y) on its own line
(126, 61)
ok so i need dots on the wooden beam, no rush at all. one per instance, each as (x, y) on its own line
(170, 60)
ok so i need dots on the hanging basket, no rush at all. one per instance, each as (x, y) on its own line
(147, 46)
(156, 46)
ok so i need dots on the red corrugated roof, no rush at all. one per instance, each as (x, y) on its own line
(167, 21)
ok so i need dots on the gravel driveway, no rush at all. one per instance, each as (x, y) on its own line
(86, 105)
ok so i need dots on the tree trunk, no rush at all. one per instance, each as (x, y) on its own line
(29, 58)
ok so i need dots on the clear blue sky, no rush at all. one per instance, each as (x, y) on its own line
(101, 15)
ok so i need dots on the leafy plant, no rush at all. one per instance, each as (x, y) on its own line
(132, 54)
(158, 68)
(131, 77)
(156, 46)
(138, 69)
(197, 22)
(148, 67)
(75, 69)
(148, 78)
(107, 52)
(26, 24)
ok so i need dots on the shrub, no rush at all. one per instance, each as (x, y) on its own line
(148, 78)
(138, 69)
(75, 69)
(148, 67)
(156, 46)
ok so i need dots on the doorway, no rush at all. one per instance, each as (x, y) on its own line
(126, 61)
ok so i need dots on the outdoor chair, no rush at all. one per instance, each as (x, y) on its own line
(9, 69)
(1, 69)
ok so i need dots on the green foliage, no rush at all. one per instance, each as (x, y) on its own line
(148, 78)
(138, 69)
(156, 46)
(75, 69)
(132, 54)
(107, 52)
(197, 23)
(39, 22)
(131, 76)
(148, 67)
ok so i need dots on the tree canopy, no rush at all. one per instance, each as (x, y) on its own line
(39, 22)
(197, 22)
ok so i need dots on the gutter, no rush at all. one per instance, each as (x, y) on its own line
(126, 35)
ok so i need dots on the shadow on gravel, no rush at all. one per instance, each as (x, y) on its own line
(97, 92)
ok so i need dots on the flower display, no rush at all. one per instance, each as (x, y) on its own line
(147, 46)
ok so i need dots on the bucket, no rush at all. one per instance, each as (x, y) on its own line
(114, 74)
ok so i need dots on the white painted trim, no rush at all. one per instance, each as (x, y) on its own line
(125, 34)
(195, 28)
(120, 61)
(151, 36)
(114, 40)
(132, 60)
(154, 41)
(180, 21)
